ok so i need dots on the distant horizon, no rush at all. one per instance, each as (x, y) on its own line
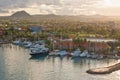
(61, 7)
(62, 14)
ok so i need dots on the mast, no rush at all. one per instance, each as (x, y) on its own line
(53, 37)
(61, 40)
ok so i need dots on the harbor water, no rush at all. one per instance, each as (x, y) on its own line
(17, 64)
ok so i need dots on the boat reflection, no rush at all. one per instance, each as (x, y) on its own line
(38, 57)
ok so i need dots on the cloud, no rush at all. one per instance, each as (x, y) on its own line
(70, 7)
(113, 11)
(61, 7)
(4, 11)
(13, 3)
(47, 2)
(25, 3)
(79, 2)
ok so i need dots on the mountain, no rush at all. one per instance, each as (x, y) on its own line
(83, 18)
(21, 14)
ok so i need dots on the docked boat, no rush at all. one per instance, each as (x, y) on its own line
(100, 57)
(54, 53)
(76, 53)
(84, 54)
(28, 45)
(116, 56)
(42, 50)
(25, 42)
(113, 56)
(62, 53)
(33, 46)
(17, 42)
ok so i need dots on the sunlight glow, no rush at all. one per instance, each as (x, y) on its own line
(111, 3)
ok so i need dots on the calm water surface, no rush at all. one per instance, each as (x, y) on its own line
(17, 64)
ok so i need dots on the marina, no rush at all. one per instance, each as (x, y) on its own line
(48, 67)
(40, 48)
(59, 40)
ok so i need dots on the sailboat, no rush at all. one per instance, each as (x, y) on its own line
(62, 53)
(17, 42)
(41, 50)
(53, 52)
(76, 53)
(84, 54)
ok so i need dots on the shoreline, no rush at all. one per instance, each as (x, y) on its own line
(104, 70)
(93, 56)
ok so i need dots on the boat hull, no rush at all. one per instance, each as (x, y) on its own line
(42, 53)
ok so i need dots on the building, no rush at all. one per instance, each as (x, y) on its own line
(92, 46)
(96, 46)
(65, 44)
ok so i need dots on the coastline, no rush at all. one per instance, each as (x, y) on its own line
(104, 70)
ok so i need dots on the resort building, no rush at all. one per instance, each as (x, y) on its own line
(65, 44)
(97, 47)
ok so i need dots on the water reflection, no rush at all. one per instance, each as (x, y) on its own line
(2, 66)
(38, 57)
(17, 64)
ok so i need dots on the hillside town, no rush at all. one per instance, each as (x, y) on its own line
(59, 39)
(64, 36)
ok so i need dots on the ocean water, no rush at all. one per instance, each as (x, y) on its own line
(17, 64)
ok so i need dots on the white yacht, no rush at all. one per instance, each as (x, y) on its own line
(33, 46)
(76, 53)
(84, 54)
(17, 42)
(28, 44)
(62, 53)
(54, 53)
(42, 50)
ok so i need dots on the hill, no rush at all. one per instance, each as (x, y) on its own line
(21, 14)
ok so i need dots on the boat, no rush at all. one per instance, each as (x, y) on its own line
(16, 42)
(76, 53)
(28, 44)
(42, 50)
(116, 56)
(33, 46)
(54, 53)
(100, 57)
(113, 56)
(25, 42)
(96, 56)
(62, 53)
(84, 54)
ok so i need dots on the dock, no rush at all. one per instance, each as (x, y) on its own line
(104, 70)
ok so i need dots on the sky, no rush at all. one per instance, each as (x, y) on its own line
(61, 7)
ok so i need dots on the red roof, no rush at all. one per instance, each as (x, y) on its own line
(65, 44)
(96, 45)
